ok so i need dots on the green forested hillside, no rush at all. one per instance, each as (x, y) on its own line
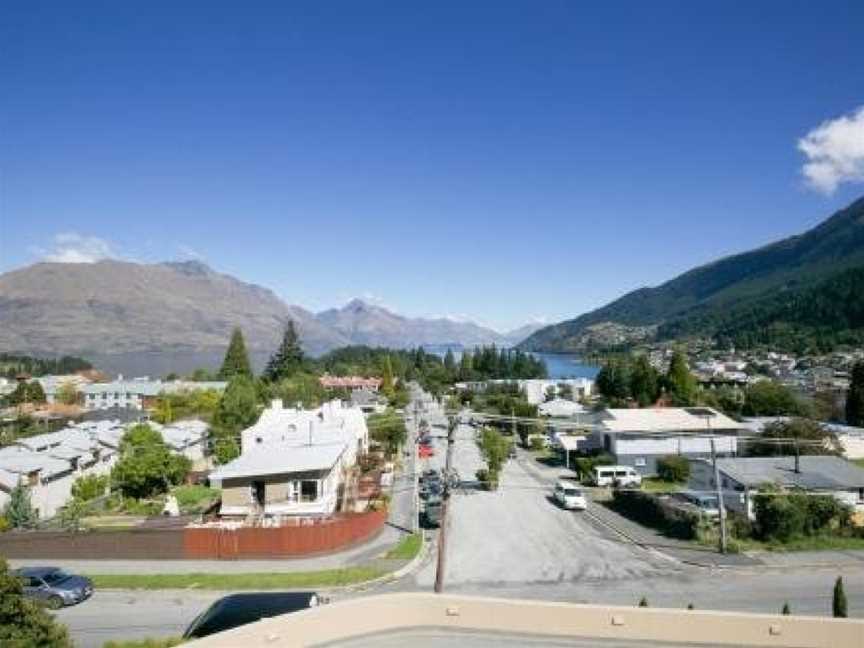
(698, 300)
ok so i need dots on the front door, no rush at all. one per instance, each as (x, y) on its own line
(258, 493)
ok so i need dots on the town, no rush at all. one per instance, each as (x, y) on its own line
(650, 473)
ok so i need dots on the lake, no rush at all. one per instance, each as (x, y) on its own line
(567, 365)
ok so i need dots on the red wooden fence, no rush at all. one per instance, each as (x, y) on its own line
(288, 541)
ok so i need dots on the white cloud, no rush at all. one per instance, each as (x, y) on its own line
(835, 152)
(188, 252)
(71, 247)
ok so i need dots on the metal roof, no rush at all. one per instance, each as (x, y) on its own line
(275, 460)
(667, 419)
(817, 472)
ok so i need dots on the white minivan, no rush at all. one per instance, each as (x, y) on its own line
(616, 476)
(570, 497)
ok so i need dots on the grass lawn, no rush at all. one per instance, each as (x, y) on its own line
(216, 581)
(858, 462)
(144, 643)
(655, 485)
(815, 543)
(407, 548)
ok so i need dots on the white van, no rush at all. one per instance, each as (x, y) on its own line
(570, 497)
(616, 476)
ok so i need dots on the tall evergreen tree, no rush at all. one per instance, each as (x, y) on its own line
(288, 359)
(838, 600)
(680, 382)
(387, 377)
(19, 511)
(449, 361)
(644, 382)
(236, 362)
(855, 397)
(238, 409)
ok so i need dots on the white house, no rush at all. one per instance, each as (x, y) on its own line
(292, 462)
(742, 477)
(638, 437)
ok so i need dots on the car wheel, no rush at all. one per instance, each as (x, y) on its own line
(54, 602)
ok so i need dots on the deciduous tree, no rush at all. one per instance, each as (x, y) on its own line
(146, 467)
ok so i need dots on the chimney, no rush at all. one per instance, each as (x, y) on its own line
(276, 404)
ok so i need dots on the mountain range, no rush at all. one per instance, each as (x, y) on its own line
(176, 316)
(803, 293)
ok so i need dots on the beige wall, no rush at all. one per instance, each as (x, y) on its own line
(389, 612)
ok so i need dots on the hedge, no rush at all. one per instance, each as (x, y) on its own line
(651, 511)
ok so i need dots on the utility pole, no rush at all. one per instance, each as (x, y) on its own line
(720, 505)
(445, 505)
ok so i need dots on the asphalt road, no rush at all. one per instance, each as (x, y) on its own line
(517, 534)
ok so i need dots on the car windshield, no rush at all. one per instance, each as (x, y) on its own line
(572, 492)
(55, 576)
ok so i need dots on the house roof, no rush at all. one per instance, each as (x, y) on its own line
(560, 407)
(21, 461)
(667, 419)
(275, 460)
(816, 472)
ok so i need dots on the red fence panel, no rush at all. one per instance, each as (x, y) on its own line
(286, 541)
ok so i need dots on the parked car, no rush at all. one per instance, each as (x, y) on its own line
(570, 497)
(239, 609)
(426, 451)
(432, 513)
(707, 503)
(623, 476)
(431, 490)
(53, 586)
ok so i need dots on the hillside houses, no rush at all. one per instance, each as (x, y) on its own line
(293, 462)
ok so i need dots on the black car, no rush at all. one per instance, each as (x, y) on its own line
(239, 609)
(54, 587)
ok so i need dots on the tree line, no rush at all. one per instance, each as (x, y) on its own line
(11, 365)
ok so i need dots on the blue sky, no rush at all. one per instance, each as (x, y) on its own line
(503, 161)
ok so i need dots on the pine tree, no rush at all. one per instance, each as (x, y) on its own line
(387, 378)
(681, 384)
(855, 397)
(786, 611)
(838, 603)
(449, 362)
(288, 359)
(236, 362)
(19, 511)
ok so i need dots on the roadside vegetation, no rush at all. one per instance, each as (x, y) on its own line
(149, 642)
(407, 549)
(228, 582)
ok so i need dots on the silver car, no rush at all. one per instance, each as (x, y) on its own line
(54, 587)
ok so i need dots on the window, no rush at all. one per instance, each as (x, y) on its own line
(640, 461)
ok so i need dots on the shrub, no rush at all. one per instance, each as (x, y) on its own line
(782, 516)
(673, 468)
(537, 443)
(89, 487)
(649, 510)
(22, 621)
